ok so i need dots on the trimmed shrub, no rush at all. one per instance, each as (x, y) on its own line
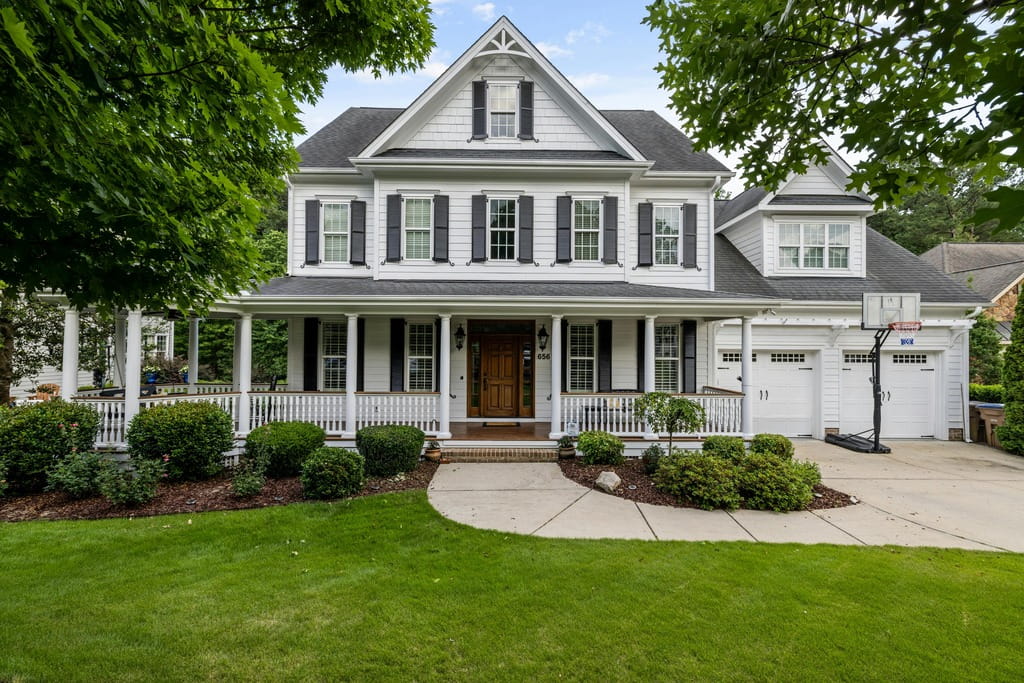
(35, 437)
(1011, 433)
(332, 473)
(652, 455)
(133, 486)
(247, 482)
(709, 482)
(3, 479)
(774, 444)
(728, 447)
(808, 471)
(987, 393)
(77, 475)
(283, 446)
(389, 449)
(193, 436)
(601, 448)
(768, 482)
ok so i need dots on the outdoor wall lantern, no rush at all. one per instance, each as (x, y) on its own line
(542, 338)
(460, 338)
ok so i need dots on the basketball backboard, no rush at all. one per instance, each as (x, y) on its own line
(879, 310)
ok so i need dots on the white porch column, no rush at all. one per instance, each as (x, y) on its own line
(120, 345)
(69, 366)
(649, 377)
(193, 354)
(132, 365)
(556, 377)
(351, 375)
(747, 379)
(236, 360)
(244, 370)
(444, 385)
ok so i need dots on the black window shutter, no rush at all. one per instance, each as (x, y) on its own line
(437, 356)
(604, 356)
(394, 225)
(645, 234)
(641, 347)
(479, 110)
(479, 224)
(689, 356)
(441, 228)
(565, 355)
(563, 229)
(397, 354)
(689, 235)
(526, 229)
(611, 229)
(358, 256)
(526, 110)
(310, 354)
(312, 232)
(361, 351)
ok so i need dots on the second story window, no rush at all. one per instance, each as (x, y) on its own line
(416, 226)
(666, 235)
(814, 245)
(502, 98)
(335, 224)
(502, 229)
(586, 224)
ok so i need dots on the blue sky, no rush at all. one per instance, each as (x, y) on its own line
(600, 46)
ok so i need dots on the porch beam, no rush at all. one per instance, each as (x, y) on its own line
(351, 375)
(69, 366)
(244, 370)
(445, 379)
(132, 365)
(193, 353)
(649, 377)
(556, 377)
(747, 378)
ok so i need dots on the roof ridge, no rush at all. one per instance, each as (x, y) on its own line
(991, 265)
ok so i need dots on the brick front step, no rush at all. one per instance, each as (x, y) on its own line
(500, 454)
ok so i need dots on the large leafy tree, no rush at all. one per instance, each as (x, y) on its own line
(140, 141)
(918, 88)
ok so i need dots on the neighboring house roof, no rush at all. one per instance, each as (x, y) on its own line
(1004, 329)
(989, 268)
(657, 139)
(890, 268)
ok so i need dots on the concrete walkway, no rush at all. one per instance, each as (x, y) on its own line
(925, 493)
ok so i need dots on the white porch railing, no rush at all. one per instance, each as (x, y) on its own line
(200, 389)
(615, 413)
(418, 410)
(112, 426)
(325, 410)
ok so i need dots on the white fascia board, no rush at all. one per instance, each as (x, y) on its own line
(378, 163)
(711, 176)
(775, 209)
(324, 170)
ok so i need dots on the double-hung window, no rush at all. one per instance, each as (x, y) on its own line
(666, 235)
(334, 224)
(582, 353)
(814, 246)
(421, 356)
(586, 229)
(502, 98)
(502, 229)
(416, 212)
(333, 350)
(666, 358)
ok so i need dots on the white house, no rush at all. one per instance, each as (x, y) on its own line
(501, 252)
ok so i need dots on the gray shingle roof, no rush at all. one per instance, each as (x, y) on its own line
(891, 268)
(828, 199)
(740, 204)
(540, 154)
(655, 138)
(986, 267)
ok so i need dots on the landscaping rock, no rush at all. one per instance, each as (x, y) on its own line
(608, 482)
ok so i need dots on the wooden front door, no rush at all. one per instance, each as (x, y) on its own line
(499, 357)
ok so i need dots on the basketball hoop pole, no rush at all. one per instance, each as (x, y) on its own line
(876, 388)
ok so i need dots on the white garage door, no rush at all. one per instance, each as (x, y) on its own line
(784, 395)
(908, 394)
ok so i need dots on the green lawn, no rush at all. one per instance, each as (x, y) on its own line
(383, 587)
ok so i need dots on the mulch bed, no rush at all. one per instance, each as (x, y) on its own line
(194, 496)
(638, 487)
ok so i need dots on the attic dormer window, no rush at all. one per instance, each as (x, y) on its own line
(502, 99)
(502, 110)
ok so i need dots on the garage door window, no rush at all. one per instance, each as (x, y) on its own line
(788, 357)
(733, 357)
(909, 359)
(852, 358)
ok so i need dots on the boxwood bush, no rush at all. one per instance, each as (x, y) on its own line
(3, 479)
(768, 482)
(987, 393)
(282, 447)
(389, 449)
(651, 458)
(601, 448)
(131, 486)
(77, 475)
(36, 437)
(775, 444)
(193, 436)
(332, 473)
(728, 447)
(707, 481)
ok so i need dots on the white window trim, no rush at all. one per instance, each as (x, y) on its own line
(515, 110)
(569, 358)
(654, 235)
(433, 355)
(430, 230)
(778, 222)
(600, 228)
(321, 356)
(348, 234)
(678, 358)
(515, 229)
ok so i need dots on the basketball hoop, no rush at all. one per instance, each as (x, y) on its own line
(906, 331)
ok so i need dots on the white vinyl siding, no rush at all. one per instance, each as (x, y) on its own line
(666, 358)
(501, 223)
(416, 212)
(814, 246)
(421, 357)
(586, 229)
(334, 225)
(666, 235)
(502, 100)
(333, 348)
(582, 357)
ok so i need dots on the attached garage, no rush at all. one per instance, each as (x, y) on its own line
(909, 394)
(785, 389)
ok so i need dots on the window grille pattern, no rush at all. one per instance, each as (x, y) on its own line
(417, 227)
(587, 229)
(788, 357)
(666, 235)
(421, 356)
(582, 348)
(814, 245)
(335, 228)
(502, 229)
(666, 358)
(334, 346)
(503, 110)
(856, 357)
(909, 358)
(736, 357)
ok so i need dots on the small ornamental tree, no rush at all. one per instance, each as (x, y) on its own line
(986, 354)
(666, 413)
(1011, 434)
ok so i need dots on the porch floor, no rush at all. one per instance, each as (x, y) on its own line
(500, 430)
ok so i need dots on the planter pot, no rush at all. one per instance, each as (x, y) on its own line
(151, 378)
(566, 453)
(184, 377)
(433, 455)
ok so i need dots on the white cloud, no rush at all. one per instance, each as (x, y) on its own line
(551, 50)
(438, 7)
(590, 80)
(590, 31)
(484, 11)
(433, 69)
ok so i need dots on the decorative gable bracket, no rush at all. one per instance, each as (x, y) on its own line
(503, 43)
